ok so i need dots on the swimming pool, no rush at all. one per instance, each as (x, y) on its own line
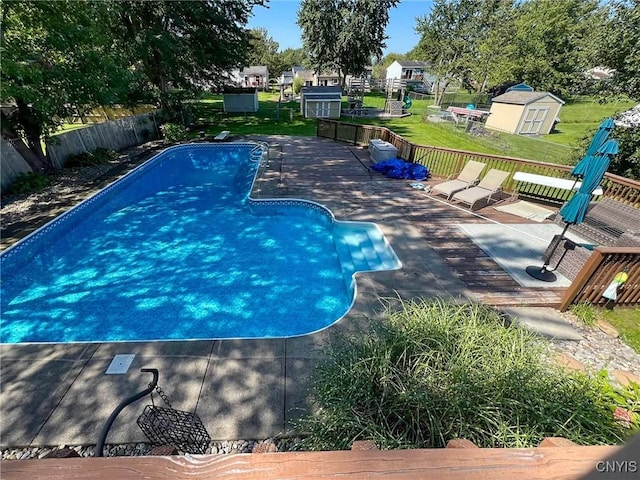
(177, 250)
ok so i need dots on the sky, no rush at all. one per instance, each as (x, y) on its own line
(280, 22)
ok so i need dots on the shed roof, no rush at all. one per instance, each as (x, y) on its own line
(255, 70)
(321, 89)
(324, 97)
(411, 63)
(518, 97)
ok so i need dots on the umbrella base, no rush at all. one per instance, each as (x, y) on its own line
(541, 273)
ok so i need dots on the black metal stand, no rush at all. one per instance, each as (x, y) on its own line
(541, 273)
(105, 430)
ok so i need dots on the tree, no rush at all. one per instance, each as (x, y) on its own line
(263, 50)
(344, 35)
(292, 57)
(623, 31)
(548, 44)
(185, 44)
(61, 56)
(56, 57)
(449, 38)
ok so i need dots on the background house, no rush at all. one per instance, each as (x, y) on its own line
(255, 77)
(326, 79)
(321, 102)
(524, 113)
(308, 76)
(412, 72)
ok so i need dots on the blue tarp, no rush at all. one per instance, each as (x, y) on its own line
(397, 168)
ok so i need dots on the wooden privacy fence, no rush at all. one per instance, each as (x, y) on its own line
(114, 135)
(103, 114)
(444, 162)
(604, 263)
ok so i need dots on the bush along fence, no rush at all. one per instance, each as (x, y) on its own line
(594, 277)
(114, 135)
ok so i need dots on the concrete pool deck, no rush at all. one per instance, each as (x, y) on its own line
(59, 394)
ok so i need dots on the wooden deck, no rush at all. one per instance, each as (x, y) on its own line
(345, 184)
(479, 463)
(480, 273)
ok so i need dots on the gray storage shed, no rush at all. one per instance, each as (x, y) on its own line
(240, 100)
(321, 102)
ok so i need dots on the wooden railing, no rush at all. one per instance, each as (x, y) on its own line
(598, 272)
(444, 162)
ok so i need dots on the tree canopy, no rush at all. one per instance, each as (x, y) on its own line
(545, 43)
(263, 50)
(623, 32)
(344, 35)
(61, 56)
(56, 56)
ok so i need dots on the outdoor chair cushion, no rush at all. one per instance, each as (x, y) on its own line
(466, 178)
(488, 186)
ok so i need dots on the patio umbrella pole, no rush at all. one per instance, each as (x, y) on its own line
(541, 273)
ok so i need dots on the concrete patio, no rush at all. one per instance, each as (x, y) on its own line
(55, 394)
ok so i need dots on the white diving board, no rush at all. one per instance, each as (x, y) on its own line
(553, 182)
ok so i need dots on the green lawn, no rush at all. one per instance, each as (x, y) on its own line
(581, 116)
(627, 322)
(208, 116)
(579, 119)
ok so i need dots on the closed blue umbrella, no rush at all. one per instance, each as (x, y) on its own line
(610, 147)
(575, 209)
(596, 147)
(601, 136)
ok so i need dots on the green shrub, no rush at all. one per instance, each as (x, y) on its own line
(99, 156)
(174, 132)
(432, 371)
(585, 313)
(28, 183)
(627, 397)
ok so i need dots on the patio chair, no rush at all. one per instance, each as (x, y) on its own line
(488, 186)
(467, 178)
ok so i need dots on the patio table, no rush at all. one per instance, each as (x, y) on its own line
(563, 183)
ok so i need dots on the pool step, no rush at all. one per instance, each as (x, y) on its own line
(362, 247)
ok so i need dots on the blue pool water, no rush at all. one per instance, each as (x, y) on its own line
(177, 250)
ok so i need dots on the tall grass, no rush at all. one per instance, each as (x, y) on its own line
(433, 371)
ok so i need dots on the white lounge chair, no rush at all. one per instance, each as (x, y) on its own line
(488, 186)
(222, 136)
(467, 178)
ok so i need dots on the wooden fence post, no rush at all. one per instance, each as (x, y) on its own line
(583, 276)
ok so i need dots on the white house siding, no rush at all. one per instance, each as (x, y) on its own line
(394, 70)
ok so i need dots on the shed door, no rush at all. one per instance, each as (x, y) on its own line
(533, 119)
(323, 109)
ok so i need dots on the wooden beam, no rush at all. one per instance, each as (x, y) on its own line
(442, 464)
